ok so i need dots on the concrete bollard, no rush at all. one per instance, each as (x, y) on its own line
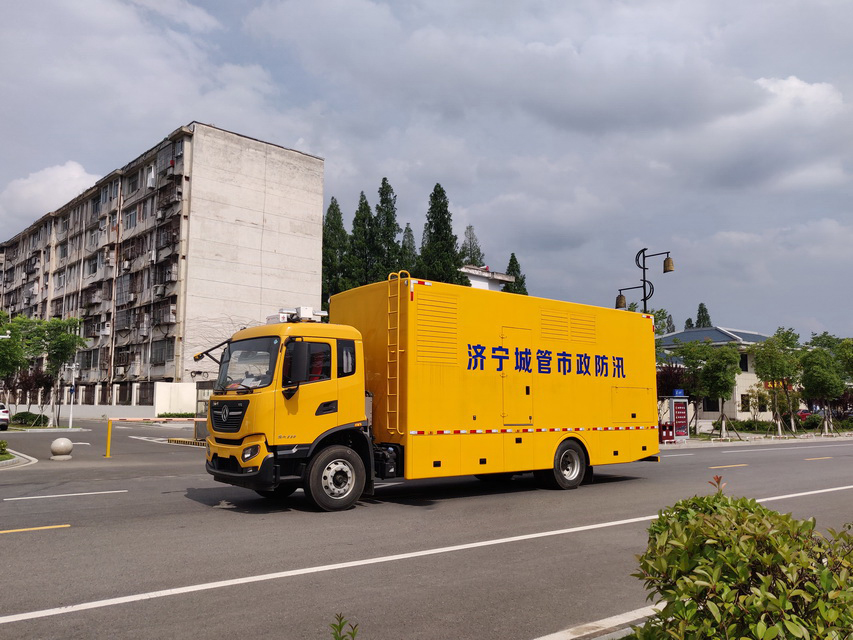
(61, 449)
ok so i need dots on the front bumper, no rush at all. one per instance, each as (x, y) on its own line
(263, 472)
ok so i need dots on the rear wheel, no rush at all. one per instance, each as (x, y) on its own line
(569, 467)
(281, 492)
(335, 478)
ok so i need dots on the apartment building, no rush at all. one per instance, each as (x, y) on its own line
(204, 233)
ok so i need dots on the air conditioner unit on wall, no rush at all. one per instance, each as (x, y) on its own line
(159, 290)
(119, 371)
(125, 266)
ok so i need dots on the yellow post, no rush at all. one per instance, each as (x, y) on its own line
(109, 436)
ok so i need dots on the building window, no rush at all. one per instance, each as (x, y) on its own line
(130, 218)
(146, 393)
(744, 402)
(62, 251)
(133, 182)
(125, 391)
(88, 393)
(162, 351)
(744, 362)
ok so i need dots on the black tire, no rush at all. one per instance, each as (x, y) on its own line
(494, 477)
(569, 468)
(281, 492)
(335, 478)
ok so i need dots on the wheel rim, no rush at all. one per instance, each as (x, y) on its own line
(570, 464)
(338, 479)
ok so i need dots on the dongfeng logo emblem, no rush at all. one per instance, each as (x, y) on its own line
(224, 413)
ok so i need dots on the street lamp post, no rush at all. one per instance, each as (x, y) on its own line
(74, 368)
(647, 286)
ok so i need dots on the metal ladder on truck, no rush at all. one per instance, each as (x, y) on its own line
(396, 283)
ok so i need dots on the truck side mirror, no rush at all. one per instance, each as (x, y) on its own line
(298, 370)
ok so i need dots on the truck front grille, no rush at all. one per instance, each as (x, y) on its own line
(227, 415)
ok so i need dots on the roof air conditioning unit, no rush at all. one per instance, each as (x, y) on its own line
(159, 290)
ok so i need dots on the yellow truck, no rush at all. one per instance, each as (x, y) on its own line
(417, 379)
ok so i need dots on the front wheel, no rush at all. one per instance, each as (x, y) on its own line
(569, 467)
(335, 478)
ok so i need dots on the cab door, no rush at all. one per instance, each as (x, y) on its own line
(309, 407)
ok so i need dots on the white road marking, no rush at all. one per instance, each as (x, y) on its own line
(676, 455)
(810, 446)
(156, 439)
(86, 443)
(97, 604)
(206, 586)
(65, 495)
(806, 493)
(605, 624)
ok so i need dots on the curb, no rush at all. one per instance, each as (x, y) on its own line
(19, 460)
(186, 441)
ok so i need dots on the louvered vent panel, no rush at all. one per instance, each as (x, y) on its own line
(555, 324)
(437, 330)
(583, 328)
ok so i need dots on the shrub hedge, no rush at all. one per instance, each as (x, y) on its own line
(30, 419)
(724, 567)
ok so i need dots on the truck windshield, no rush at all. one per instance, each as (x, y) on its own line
(248, 364)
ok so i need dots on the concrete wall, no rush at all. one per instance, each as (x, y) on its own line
(254, 237)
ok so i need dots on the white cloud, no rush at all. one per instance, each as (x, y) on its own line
(182, 12)
(27, 199)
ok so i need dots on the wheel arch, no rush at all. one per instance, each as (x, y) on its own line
(348, 435)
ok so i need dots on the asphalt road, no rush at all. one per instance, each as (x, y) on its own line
(158, 548)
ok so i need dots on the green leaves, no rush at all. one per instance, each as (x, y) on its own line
(724, 567)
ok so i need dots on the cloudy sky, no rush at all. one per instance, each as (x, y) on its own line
(571, 133)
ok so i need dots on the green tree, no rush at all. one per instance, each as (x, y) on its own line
(386, 230)
(822, 381)
(703, 318)
(360, 263)
(693, 356)
(718, 377)
(514, 269)
(777, 364)
(471, 252)
(335, 241)
(59, 340)
(670, 324)
(688, 324)
(440, 259)
(13, 356)
(408, 251)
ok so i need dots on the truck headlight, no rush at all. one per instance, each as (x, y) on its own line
(251, 452)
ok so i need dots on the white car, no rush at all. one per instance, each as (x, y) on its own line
(4, 417)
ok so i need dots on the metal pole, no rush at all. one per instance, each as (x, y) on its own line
(109, 436)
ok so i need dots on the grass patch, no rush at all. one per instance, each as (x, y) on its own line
(6, 456)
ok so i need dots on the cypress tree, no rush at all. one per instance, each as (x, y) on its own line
(408, 251)
(688, 324)
(335, 241)
(703, 318)
(514, 269)
(386, 230)
(361, 256)
(440, 259)
(471, 252)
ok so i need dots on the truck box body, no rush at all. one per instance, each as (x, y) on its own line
(471, 381)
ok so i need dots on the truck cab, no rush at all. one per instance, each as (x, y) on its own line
(285, 393)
